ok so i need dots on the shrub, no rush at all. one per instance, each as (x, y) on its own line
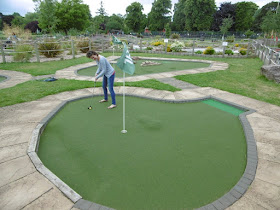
(149, 48)
(50, 48)
(229, 52)
(23, 53)
(19, 31)
(209, 51)
(249, 33)
(83, 44)
(279, 45)
(218, 53)
(175, 36)
(32, 26)
(177, 46)
(158, 37)
(244, 46)
(169, 48)
(73, 32)
(230, 38)
(188, 44)
(157, 43)
(198, 52)
(236, 45)
(243, 51)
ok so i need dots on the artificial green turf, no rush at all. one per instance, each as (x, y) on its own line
(230, 109)
(2, 78)
(165, 66)
(174, 156)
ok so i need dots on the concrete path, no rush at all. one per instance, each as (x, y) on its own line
(13, 78)
(23, 187)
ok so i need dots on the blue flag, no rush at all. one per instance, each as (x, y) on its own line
(125, 62)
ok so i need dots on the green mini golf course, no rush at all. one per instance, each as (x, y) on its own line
(165, 66)
(2, 78)
(174, 155)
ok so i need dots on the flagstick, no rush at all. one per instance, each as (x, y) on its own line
(124, 131)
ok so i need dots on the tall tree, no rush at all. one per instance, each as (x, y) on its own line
(261, 14)
(135, 17)
(244, 15)
(101, 11)
(115, 22)
(47, 17)
(226, 10)
(179, 17)
(30, 16)
(72, 14)
(159, 15)
(226, 25)
(18, 20)
(271, 23)
(199, 14)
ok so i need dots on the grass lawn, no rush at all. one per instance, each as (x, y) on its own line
(242, 77)
(43, 68)
(33, 90)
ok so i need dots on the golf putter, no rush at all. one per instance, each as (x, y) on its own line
(90, 107)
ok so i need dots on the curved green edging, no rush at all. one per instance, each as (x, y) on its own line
(156, 125)
(166, 66)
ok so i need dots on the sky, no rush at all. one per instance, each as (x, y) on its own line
(8, 7)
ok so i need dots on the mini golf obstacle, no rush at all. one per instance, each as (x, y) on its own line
(148, 168)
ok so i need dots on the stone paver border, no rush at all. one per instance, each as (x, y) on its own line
(225, 201)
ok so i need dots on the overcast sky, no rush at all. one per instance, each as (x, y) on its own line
(8, 7)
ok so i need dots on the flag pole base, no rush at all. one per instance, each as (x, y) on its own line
(124, 131)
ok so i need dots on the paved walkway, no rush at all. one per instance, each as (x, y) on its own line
(13, 78)
(23, 187)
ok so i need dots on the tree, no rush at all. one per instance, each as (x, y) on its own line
(30, 16)
(226, 25)
(225, 10)
(199, 14)
(115, 22)
(167, 30)
(159, 15)
(244, 15)
(261, 14)
(18, 21)
(101, 11)
(72, 14)
(179, 17)
(135, 17)
(7, 19)
(33, 26)
(47, 17)
(271, 22)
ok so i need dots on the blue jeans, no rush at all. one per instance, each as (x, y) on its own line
(109, 80)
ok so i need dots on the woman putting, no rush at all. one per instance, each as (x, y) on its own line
(107, 71)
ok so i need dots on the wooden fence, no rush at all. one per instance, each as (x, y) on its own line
(269, 55)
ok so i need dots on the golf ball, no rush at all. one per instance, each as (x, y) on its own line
(90, 107)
